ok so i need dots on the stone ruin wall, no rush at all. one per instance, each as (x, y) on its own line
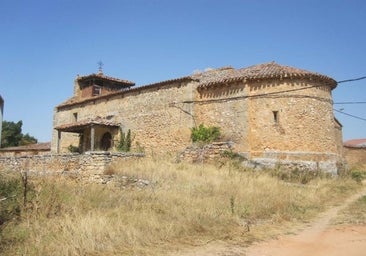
(219, 152)
(88, 166)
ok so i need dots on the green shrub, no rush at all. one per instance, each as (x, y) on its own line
(205, 134)
(358, 175)
(232, 155)
(73, 149)
(125, 141)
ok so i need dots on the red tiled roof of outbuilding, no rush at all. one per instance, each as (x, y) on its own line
(44, 146)
(355, 143)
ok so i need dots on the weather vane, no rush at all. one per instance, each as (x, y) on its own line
(100, 67)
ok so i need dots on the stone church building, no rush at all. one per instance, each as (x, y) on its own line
(268, 111)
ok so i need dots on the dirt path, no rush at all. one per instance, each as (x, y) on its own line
(316, 239)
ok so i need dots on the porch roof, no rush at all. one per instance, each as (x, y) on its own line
(79, 126)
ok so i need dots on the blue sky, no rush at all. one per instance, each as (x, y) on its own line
(45, 44)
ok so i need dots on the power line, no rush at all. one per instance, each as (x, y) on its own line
(254, 96)
(351, 80)
(350, 102)
(357, 117)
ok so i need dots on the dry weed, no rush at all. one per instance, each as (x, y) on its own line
(187, 204)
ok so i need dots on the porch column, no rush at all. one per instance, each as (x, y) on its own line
(92, 139)
(58, 141)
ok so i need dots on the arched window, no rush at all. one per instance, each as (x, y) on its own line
(106, 142)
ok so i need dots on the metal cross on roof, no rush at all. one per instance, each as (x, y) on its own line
(100, 67)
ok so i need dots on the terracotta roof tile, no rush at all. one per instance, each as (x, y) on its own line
(269, 70)
(77, 126)
(75, 100)
(218, 76)
(31, 147)
(355, 143)
(113, 79)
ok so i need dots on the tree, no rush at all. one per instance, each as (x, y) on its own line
(12, 135)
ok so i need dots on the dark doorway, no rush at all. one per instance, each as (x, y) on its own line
(106, 142)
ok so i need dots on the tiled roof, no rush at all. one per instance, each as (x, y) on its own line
(109, 78)
(218, 76)
(31, 147)
(356, 143)
(269, 70)
(77, 126)
(75, 100)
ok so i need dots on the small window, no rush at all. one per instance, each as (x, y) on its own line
(75, 116)
(97, 90)
(275, 116)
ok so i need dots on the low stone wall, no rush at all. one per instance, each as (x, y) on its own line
(331, 167)
(83, 165)
(285, 160)
(206, 153)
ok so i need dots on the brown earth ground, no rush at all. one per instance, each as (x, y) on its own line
(316, 238)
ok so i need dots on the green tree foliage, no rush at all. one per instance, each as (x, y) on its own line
(205, 134)
(12, 135)
(27, 139)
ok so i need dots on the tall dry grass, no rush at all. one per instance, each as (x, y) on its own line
(183, 205)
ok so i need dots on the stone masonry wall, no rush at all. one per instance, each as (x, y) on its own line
(304, 121)
(227, 108)
(206, 153)
(84, 166)
(213, 152)
(158, 121)
(303, 128)
(283, 120)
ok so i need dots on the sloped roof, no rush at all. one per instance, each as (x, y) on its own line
(270, 70)
(102, 76)
(80, 125)
(75, 100)
(355, 143)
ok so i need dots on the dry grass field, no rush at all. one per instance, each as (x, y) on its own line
(183, 205)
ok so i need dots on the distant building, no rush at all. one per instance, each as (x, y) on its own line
(1, 116)
(355, 153)
(355, 143)
(26, 150)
